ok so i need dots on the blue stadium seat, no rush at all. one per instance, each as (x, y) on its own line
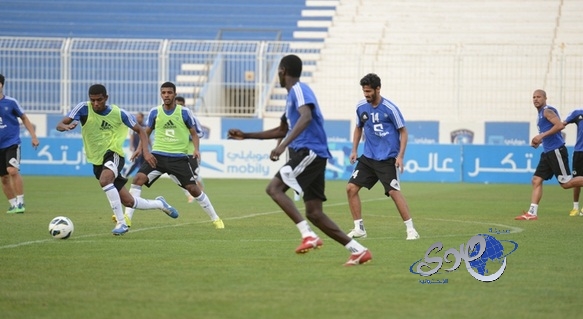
(249, 20)
(198, 20)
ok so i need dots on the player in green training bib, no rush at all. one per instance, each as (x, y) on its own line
(174, 127)
(104, 130)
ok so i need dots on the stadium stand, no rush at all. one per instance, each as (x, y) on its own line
(423, 49)
(304, 23)
(149, 19)
(433, 55)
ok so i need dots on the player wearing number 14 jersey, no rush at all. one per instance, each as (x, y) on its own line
(385, 140)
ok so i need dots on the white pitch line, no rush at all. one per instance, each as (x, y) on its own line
(52, 240)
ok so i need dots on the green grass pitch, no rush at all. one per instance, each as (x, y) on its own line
(184, 268)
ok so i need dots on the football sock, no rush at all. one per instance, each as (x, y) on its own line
(20, 199)
(305, 229)
(359, 224)
(533, 209)
(576, 205)
(206, 205)
(409, 224)
(136, 192)
(12, 202)
(355, 247)
(114, 201)
(142, 203)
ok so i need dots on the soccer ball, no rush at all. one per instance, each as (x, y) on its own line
(61, 227)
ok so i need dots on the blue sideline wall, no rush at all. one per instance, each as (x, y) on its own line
(250, 159)
(506, 159)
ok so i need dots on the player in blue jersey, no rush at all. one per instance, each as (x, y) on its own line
(302, 125)
(12, 184)
(554, 160)
(175, 128)
(104, 129)
(576, 116)
(385, 140)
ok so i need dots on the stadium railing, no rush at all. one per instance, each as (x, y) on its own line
(469, 83)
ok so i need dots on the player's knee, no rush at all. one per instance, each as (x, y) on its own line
(126, 199)
(140, 179)
(12, 171)
(273, 191)
(270, 190)
(314, 216)
(194, 190)
(313, 219)
(536, 180)
(352, 189)
(565, 185)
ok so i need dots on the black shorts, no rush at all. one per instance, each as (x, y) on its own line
(184, 169)
(368, 172)
(577, 164)
(310, 172)
(554, 163)
(9, 157)
(118, 163)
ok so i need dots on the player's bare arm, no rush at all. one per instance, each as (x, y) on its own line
(138, 150)
(557, 127)
(143, 146)
(66, 124)
(302, 123)
(356, 136)
(404, 136)
(195, 142)
(30, 128)
(276, 132)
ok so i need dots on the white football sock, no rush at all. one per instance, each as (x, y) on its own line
(359, 224)
(142, 203)
(409, 224)
(115, 202)
(355, 247)
(20, 199)
(136, 192)
(533, 209)
(305, 229)
(206, 205)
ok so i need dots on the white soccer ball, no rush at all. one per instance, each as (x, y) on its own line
(61, 227)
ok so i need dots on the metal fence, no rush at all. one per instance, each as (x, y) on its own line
(217, 78)
(455, 83)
